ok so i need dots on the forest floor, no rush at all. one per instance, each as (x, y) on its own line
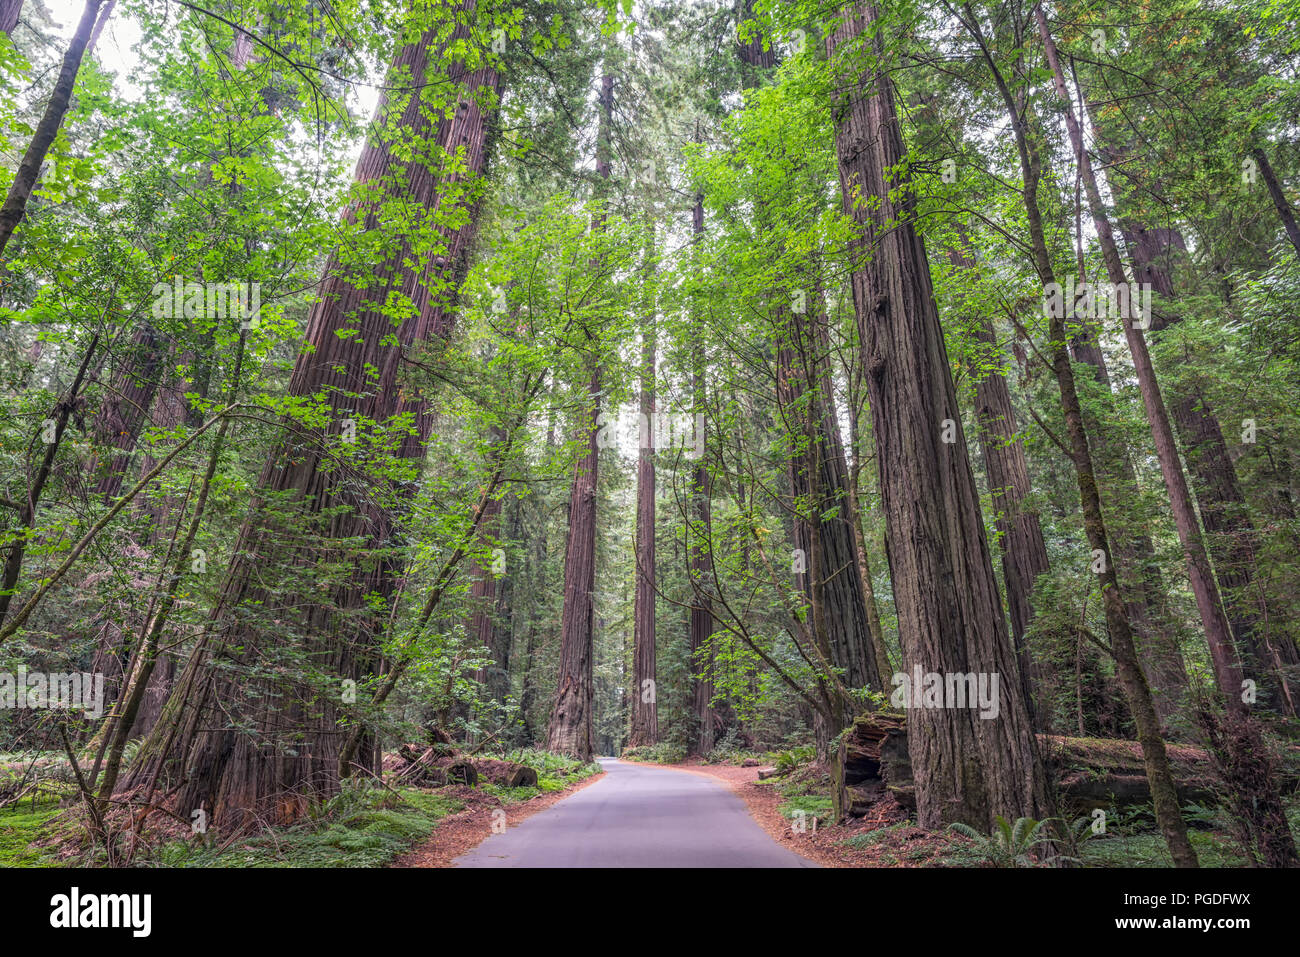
(367, 824)
(370, 824)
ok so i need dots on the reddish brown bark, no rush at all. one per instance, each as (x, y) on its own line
(950, 614)
(125, 409)
(570, 723)
(471, 132)
(755, 61)
(9, 13)
(819, 482)
(1145, 595)
(1230, 533)
(1024, 551)
(292, 753)
(483, 626)
(1129, 671)
(571, 711)
(644, 729)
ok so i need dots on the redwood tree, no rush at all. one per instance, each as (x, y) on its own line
(966, 769)
(1155, 757)
(644, 728)
(294, 750)
(570, 724)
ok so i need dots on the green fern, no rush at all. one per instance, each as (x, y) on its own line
(1008, 845)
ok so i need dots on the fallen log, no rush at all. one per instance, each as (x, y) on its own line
(522, 777)
(461, 771)
(421, 766)
(1089, 773)
(508, 774)
(433, 767)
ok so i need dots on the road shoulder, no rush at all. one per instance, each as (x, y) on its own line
(460, 833)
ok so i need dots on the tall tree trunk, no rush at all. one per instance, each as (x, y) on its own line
(473, 132)
(170, 411)
(292, 753)
(9, 13)
(1280, 202)
(125, 409)
(570, 724)
(483, 626)
(1138, 571)
(755, 61)
(571, 712)
(820, 487)
(136, 685)
(699, 542)
(949, 610)
(1231, 536)
(644, 728)
(884, 666)
(1024, 551)
(851, 636)
(17, 548)
(20, 192)
(1276, 843)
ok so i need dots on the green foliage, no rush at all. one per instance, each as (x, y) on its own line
(661, 753)
(812, 805)
(1008, 845)
(180, 164)
(555, 772)
(792, 760)
(363, 826)
(21, 825)
(876, 836)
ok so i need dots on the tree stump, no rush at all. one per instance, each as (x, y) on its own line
(521, 776)
(462, 771)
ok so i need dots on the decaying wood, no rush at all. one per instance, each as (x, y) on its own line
(1087, 772)
(507, 773)
(440, 764)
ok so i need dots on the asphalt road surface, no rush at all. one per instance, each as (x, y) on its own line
(637, 816)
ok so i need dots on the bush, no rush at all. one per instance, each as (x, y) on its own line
(732, 746)
(661, 753)
(791, 760)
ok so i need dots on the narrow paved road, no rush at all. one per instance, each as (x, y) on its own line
(636, 816)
